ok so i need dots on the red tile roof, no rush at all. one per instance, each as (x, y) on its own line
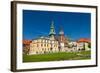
(84, 40)
(26, 42)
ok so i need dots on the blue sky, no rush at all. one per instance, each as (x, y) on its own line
(37, 23)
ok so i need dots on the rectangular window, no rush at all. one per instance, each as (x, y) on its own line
(41, 45)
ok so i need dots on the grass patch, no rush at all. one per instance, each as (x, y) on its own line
(57, 56)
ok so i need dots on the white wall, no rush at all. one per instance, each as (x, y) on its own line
(5, 37)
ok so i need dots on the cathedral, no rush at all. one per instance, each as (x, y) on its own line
(54, 43)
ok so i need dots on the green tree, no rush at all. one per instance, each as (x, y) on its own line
(89, 45)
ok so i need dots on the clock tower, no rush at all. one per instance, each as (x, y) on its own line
(52, 31)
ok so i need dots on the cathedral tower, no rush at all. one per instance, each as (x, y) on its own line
(61, 35)
(61, 40)
(52, 31)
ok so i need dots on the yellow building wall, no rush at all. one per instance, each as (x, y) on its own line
(40, 46)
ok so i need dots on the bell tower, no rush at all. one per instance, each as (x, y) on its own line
(52, 31)
(61, 35)
(61, 40)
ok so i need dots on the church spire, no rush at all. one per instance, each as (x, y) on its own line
(52, 31)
